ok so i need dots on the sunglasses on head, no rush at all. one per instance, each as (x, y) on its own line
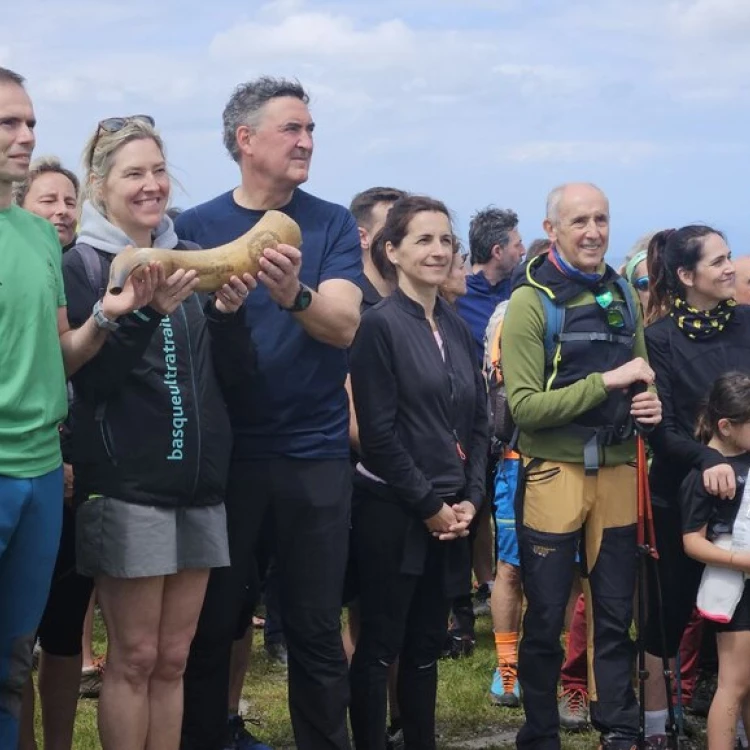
(605, 299)
(113, 125)
(641, 284)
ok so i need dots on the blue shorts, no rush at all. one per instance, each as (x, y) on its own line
(503, 505)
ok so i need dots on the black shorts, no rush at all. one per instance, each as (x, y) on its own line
(741, 619)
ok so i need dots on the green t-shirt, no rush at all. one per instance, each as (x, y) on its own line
(33, 396)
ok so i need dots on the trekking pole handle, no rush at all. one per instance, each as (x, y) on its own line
(640, 387)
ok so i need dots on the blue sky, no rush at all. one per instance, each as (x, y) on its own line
(475, 102)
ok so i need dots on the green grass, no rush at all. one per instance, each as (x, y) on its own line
(465, 714)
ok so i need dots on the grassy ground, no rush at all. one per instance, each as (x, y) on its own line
(466, 718)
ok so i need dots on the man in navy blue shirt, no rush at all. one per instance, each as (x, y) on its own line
(495, 249)
(290, 462)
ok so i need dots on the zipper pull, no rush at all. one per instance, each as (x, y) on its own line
(459, 449)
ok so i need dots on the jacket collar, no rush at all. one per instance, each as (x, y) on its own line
(414, 308)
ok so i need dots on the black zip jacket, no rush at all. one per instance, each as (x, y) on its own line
(148, 423)
(685, 371)
(422, 420)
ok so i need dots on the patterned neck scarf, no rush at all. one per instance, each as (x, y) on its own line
(701, 324)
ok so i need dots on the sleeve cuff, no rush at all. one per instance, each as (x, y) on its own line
(428, 506)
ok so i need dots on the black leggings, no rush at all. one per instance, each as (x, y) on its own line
(402, 616)
(680, 577)
(61, 628)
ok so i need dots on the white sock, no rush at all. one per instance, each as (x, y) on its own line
(741, 734)
(656, 722)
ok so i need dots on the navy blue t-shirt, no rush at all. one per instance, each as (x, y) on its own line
(294, 404)
(478, 304)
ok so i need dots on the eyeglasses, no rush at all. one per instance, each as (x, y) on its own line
(606, 300)
(113, 125)
(641, 284)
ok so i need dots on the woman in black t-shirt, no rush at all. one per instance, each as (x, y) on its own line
(725, 427)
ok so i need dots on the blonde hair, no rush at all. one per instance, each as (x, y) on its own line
(101, 150)
(40, 166)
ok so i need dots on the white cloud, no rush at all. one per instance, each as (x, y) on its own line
(722, 18)
(575, 152)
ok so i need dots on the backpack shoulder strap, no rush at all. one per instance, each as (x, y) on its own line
(94, 267)
(627, 293)
(554, 322)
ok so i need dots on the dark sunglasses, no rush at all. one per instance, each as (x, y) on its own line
(112, 125)
(605, 299)
(641, 284)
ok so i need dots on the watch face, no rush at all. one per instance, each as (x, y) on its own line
(304, 298)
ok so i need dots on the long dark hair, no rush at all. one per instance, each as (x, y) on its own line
(668, 251)
(396, 227)
(729, 399)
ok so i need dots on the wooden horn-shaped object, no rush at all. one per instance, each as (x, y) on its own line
(215, 266)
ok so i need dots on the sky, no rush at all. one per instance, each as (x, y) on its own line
(475, 102)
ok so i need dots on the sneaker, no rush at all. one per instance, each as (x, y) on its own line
(277, 653)
(240, 738)
(457, 646)
(608, 742)
(482, 601)
(91, 679)
(505, 690)
(395, 740)
(573, 706)
(35, 654)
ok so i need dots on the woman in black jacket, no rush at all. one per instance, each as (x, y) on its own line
(421, 409)
(150, 439)
(697, 334)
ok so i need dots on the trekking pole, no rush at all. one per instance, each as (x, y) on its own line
(646, 542)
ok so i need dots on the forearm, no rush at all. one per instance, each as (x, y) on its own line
(536, 409)
(701, 549)
(81, 345)
(330, 321)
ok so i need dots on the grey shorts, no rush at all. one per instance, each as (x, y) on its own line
(125, 540)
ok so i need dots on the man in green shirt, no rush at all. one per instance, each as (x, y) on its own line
(37, 349)
(572, 398)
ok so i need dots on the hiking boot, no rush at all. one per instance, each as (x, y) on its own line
(573, 706)
(505, 690)
(240, 738)
(91, 679)
(482, 600)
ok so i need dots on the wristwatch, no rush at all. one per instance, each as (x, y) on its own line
(301, 301)
(101, 320)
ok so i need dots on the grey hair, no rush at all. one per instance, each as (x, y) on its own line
(555, 196)
(11, 77)
(100, 152)
(40, 166)
(489, 227)
(246, 104)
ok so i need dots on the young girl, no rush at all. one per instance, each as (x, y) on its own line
(724, 425)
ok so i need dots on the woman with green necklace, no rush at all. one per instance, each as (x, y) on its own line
(697, 334)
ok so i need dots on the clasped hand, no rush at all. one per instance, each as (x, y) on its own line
(451, 521)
